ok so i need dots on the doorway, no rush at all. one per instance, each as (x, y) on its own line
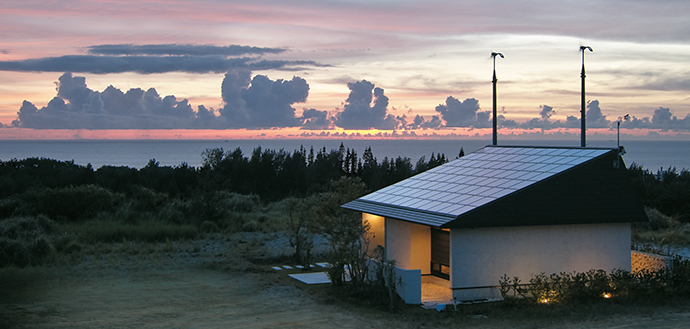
(440, 253)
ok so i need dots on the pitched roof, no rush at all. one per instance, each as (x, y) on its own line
(448, 195)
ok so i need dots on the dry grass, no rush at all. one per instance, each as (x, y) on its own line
(113, 231)
(661, 234)
(266, 298)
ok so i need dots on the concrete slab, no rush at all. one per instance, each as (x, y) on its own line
(311, 278)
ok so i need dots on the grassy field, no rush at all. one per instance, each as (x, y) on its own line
(220, 281)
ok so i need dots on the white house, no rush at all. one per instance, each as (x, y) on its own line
(508, 210)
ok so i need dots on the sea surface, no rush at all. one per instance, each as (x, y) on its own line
(652, 155)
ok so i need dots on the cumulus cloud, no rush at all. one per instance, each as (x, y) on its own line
(78, 107)
(419, 122)
(544, 121)
(465, 113)
(179, 50)
(662, 118)
(261, 102)
(257, 102)
(313, 119)
(546, 112)
(595, 118)
(365, 108)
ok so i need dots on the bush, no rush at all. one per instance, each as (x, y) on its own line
(240, 203)
(594, 285)
(23, 240)
(8, 207)
(70, 203)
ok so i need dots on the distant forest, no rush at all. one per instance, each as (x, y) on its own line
(64, 190)
(270, 174)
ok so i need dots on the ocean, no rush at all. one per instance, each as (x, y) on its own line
(652, 155)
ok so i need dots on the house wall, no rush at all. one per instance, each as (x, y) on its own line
(481, 256)
(377, 232)
(409, 283)
(408, 244)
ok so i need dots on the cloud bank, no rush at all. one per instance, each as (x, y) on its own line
(148, 59)
(146, 64)
(78, 107)
(261, 103)
(248, 103)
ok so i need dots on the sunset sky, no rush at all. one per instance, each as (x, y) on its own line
(211, 69)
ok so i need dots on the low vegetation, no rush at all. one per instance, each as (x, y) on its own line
(662, 234)
(595, 285)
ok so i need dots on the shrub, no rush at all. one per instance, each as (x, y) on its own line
(594, 284)
(23, 240)
(70, 203)
(240, 203)
(8, 206)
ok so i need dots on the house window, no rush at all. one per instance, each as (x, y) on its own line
(440, 253)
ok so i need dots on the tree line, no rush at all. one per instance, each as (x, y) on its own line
(665, 190)
(63, 189)
(266, 174)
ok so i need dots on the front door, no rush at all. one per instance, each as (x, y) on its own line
(440, 253)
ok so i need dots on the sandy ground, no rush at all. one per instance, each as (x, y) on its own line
(215, 289)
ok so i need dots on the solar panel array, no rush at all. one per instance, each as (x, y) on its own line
(479, 178)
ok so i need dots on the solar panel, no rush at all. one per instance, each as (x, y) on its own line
(478, 178)
(489, 191)
(481, 201)
(469, 189)
(501, 192)
(480, 190)
(448, 197)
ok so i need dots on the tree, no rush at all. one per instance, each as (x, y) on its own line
(301, 227)
(344, 230)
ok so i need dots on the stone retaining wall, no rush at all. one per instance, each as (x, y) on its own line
(645, 261)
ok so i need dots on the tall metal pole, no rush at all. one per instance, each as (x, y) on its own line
(583, 110)
(495, 80)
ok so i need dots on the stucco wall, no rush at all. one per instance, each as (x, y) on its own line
(409, 245)
(377, 231)
(481, 256)
(420, 248)
(408, 283)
